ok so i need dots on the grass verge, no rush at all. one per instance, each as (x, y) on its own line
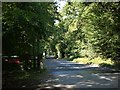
(98, 61)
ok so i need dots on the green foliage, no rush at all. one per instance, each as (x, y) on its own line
(88, 30)
(92, 30)
(26, 26)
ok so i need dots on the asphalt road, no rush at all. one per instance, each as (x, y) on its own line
(66, 75)
(69, 75)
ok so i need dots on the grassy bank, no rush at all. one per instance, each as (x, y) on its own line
(98, 61)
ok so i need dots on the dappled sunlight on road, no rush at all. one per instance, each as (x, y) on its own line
(67, 74)
(55, 87)
(66, 86)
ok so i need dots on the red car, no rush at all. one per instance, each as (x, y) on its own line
(14, 60)
(11, 59)
(11, 62)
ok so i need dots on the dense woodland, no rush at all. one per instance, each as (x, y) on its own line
(84, 30)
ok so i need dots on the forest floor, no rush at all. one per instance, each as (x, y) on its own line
(65, 75)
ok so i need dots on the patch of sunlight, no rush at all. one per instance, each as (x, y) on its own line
(66, 86)
(81, 60)
(113, 77)
(103, 77)
(94, 65)
(77, 76)
(86, 82)
(52, 80)
(60, 67)
(69, 86)
(48, 87)
(58, 85)
(73, 26)
(97, 61)
(89, 85)
(63, 75)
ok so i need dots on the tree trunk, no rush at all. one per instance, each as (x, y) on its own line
(39, 61)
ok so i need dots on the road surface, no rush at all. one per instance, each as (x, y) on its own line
(66, 75)
(70, 75)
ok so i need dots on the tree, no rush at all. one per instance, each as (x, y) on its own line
(91, 29)
(26, 26)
